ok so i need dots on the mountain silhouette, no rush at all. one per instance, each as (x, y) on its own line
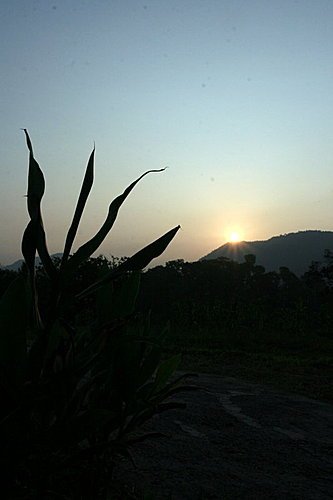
(293, 250)
(15, 266)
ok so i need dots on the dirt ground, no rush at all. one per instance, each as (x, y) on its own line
(237, 440)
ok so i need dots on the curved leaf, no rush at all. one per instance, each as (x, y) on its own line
(43, 252)
(143, 257)
(29, 247)
(84, 193)
(36, 188)
(36, 182)
(135, 263)
(86, 250)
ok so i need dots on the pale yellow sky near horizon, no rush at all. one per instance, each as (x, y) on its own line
(235, 97)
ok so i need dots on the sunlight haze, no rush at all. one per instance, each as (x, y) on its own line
(234, 237)
(235, 97)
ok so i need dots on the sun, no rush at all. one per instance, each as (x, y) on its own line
(234, 237)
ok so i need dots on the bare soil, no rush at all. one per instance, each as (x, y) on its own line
(237, 440)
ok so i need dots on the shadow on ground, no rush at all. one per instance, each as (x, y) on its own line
(237, 440)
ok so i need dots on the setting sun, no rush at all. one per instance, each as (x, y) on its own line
(234, 237)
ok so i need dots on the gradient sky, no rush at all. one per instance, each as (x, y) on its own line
(234, 96)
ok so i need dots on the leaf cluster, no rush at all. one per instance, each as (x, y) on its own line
(75, 392)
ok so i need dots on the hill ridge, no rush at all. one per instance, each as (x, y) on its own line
(295, 250)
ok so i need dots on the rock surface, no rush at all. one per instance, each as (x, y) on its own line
(237, 440)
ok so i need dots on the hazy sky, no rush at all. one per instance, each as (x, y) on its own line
(234, 96)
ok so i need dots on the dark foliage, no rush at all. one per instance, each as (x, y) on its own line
(219, 296)
(80, 370)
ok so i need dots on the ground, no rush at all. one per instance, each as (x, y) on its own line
(237, 440)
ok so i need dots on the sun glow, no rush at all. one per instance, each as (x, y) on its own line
(234, 237)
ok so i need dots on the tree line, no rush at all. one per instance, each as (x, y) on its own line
(220, 295)
(224, 295)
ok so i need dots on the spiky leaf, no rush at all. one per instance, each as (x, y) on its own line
(86, 250)
(36, 188)
(137, 262)
(84, 193)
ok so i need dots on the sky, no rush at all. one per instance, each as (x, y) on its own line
(234, 96)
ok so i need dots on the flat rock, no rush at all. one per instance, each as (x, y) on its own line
(237, 440)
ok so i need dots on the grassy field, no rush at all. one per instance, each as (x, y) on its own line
(278, 361)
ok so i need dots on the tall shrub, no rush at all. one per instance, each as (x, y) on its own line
(75, 392)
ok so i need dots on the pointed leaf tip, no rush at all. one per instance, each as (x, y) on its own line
(27, 137)
(34, 238)
(83, 196)
(88, 248)
(137, 262)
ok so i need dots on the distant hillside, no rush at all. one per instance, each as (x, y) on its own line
(294, 250)
(15, 266)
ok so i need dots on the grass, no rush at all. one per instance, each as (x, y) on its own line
(277, 361)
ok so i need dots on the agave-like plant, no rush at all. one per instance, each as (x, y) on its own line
(74, 394)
